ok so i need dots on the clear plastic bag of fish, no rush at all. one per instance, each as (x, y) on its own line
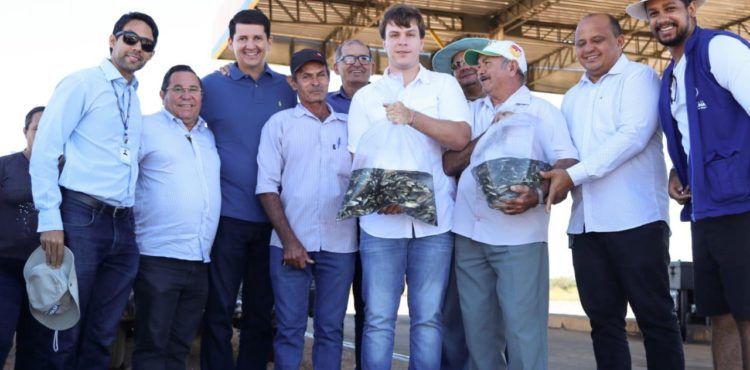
(390, 167)
(503, 157)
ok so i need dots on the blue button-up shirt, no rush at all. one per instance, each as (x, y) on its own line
(236, 107)
(85, 120)
(178, 197)
(339, 100)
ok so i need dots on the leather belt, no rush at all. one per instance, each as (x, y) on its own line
(96, 204)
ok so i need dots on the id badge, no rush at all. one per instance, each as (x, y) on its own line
(124, 154)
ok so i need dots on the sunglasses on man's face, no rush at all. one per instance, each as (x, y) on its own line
(131, 38)
(458, 65)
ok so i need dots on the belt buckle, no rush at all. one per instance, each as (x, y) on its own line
(118, 211)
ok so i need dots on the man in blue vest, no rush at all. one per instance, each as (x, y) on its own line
(708, 136)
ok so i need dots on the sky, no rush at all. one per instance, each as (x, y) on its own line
(48, 39)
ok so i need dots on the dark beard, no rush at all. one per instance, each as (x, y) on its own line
(678, 39)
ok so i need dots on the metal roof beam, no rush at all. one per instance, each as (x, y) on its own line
(740, 26)
(516, 14)
(358, 19)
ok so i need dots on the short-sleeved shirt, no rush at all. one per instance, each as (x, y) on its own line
(473, 218)
(436, 95)
(18, 217)
(236, 107)
(305, 161)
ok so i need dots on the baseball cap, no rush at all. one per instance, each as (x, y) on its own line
(498, 48)
(53, 292)
(638, 10)
(441, 62)
(306, 55)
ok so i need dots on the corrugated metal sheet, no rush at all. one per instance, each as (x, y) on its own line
(545, 28)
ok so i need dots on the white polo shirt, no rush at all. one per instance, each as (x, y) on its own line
(436, 95)
(621, 180)
(472, 217)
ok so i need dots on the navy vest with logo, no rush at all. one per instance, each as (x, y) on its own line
(718, 170)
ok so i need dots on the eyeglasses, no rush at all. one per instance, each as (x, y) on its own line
(350, 59)
(458, 64)
(673, 90)
(131, 38)
(179, 90)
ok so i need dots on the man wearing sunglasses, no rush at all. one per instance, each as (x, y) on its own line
(236, 106)
(450, 60)
(94, 120)
(353, 62)
(704, 109)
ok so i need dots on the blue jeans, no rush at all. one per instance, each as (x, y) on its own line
(424, 262)
(333, 274)
(239, 254)
(455, 353)
(106, 262)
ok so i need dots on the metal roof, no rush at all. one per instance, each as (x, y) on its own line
(544, 28)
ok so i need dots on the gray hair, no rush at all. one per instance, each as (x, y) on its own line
(349, 42)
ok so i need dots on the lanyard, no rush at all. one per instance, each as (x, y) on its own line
(124, 116)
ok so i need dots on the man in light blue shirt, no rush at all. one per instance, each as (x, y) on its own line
(94, 120)
(177, 205)
(303, 173)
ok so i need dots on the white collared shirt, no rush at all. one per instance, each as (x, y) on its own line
(178, 196)
(473, 218)
(621, 180)
(305, 161)
(436, 95)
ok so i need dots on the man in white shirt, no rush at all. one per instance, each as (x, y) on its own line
(450, 60)
(502, 266)
(394, 245)
(708, 134)
(618, 228)
(177, 205)
(303, 173)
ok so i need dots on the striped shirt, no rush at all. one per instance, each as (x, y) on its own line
(306, 162)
